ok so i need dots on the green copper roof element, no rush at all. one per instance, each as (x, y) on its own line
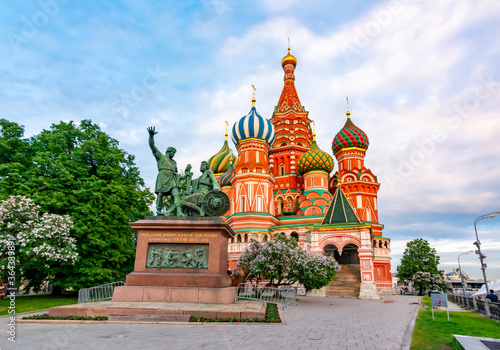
(340, 211)
(318, 191)
(315, 159)
(219, 162)
(251, 230)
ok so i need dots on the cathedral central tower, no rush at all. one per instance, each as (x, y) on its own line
(293, 139)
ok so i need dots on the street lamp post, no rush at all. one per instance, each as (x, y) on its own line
(477, 243)
(460, 269)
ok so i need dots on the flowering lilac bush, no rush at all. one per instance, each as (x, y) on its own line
(282, 262)
(426, 281)
(33, 242)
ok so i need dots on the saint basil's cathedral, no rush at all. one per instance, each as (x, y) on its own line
(280, 183)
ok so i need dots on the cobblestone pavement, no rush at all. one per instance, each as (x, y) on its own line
(318, 323)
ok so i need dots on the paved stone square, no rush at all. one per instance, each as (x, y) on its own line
(318, 323)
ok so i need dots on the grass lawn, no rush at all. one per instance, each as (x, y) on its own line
(438, 333)
(36, 302)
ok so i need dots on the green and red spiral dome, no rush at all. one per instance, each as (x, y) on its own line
(350, 136)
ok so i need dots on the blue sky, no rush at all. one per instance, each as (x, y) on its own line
(422, 77)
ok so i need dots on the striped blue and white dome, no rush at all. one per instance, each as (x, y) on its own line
(253, 126)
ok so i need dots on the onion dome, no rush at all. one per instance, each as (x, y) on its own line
(289, 59)
(219, 162)
(226, 178)
(254, 126)
(350, 136)
(315, 159)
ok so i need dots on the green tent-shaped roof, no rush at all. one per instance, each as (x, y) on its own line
(340, 211)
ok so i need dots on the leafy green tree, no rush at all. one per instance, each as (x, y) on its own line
(80, 171)
(14, 157)
(418, 257)
(282, 262)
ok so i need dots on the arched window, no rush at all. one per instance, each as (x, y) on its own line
(313, 211)
(238, 239)
(264, 238)
(279, 202)
(295, 235)
(246, 238)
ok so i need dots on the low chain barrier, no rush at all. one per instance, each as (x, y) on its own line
(279, 296)
(98, 293)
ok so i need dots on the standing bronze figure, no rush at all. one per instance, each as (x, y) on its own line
(167, 181)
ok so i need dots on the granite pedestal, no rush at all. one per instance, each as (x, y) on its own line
(179, 260)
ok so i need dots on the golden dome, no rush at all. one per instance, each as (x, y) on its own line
(289, 59)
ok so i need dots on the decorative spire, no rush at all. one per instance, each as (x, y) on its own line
(227, 124)
(289, 98)
(253, 98)
(339, 184)
(314, 131)
(348, 113)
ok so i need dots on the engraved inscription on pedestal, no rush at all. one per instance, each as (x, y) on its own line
(177, 256)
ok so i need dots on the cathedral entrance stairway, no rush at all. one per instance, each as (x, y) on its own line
(346, 283)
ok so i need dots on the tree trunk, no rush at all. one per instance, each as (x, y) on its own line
(56, 291)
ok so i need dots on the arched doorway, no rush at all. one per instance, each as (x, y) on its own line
(349, 254)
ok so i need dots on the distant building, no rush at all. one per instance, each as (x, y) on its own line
(281, 183)
(455, 276)
(456, 283)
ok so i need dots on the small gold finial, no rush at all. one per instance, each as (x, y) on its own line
(338, 181)
(253, 98)
(314, 131)
(348, 113)
(231, 160)
(227, 124)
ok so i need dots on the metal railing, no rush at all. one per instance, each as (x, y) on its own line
(98, 293)
(280, 296)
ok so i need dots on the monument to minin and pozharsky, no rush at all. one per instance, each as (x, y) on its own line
(181, 258)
